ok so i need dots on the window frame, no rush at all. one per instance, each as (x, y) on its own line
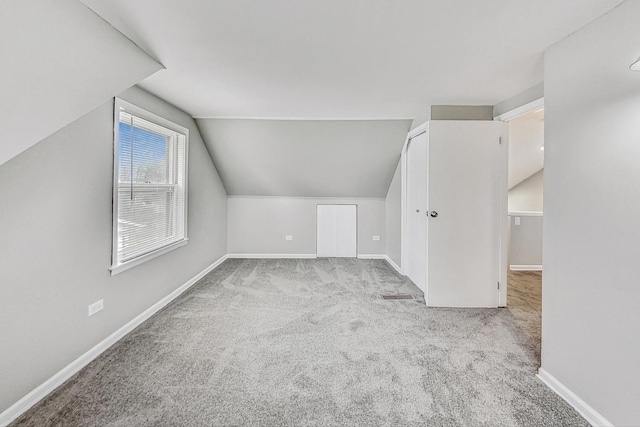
(134, 110)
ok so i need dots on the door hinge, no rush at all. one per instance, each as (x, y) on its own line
(500, 140)
(498, 285)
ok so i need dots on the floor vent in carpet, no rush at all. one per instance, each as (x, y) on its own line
(396, 296)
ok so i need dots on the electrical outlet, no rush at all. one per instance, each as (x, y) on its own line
(96, 307)
(288, 237)
(376, 237)
(517, 221)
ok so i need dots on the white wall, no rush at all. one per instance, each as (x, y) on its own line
(528, 195)
(591, 291)
(258, 225)
(56, 230)
(393, 216)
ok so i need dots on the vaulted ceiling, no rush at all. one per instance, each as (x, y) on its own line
(347, 76)
(344, 58)
(311, 158)
(59, 60)
(526, 137)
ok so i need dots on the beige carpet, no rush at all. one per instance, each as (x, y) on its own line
(310, 342)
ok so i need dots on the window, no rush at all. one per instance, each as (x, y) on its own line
(150, 186)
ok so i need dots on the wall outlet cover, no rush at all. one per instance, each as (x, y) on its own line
(96, 307)
(288, 237)
(376, 237)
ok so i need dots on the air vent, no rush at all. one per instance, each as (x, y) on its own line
(396, 296)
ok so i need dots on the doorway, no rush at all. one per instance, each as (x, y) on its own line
(525, 205)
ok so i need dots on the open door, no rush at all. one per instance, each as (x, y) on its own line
(467, 194)
(416, 205)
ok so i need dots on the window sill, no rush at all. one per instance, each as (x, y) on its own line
(116, 269)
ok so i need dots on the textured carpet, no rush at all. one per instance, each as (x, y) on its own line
(309, 342)
(524, 301)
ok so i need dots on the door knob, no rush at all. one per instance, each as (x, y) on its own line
(418, 210)
(433, 214)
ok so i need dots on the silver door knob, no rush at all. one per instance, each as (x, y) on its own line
(433, 214)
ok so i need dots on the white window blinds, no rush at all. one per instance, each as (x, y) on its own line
(149, 185)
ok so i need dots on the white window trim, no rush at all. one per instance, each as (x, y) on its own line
(140, 112)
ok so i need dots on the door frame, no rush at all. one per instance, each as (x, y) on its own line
(419, 130)
(530, 107)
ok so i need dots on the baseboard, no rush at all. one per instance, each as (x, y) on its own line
(393, 264)
(40, 392)
(371, 256)
(271, 256)
(590, 414)
(525, 267)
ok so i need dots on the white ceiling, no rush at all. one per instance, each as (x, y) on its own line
(526, 136)
(310, 158)
(344, 58)
(58, 63)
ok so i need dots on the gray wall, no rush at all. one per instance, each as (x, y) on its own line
(393, 218)
(591, 297)
(525, 240)
(258, 225)
(461, 112)
(529, 95)
(55, 224)
(528, 195)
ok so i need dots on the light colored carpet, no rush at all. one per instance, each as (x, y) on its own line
(309, 342)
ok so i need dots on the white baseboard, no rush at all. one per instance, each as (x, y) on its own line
(271, 256)
(40, 392)
(371, 256)
(590, 414)
(525, 267)
(394, 265)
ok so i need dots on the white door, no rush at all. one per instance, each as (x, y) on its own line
(337, 231)
(467, 188)
(416, 210)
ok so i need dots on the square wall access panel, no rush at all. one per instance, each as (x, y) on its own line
(337, 231)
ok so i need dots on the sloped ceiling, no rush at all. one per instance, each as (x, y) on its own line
(344, 58)
(312, 158)
(335, 59)
(526, 136)
(59, 61)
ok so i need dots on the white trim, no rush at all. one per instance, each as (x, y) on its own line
(372, 256)
(518, 267)
(342, 119)
(525, 213)
(115, 269)
(504, 220)
(393, 264)
(122, 105)
(272, 256)
(590, 414)
(529, 107)
(40, 392)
